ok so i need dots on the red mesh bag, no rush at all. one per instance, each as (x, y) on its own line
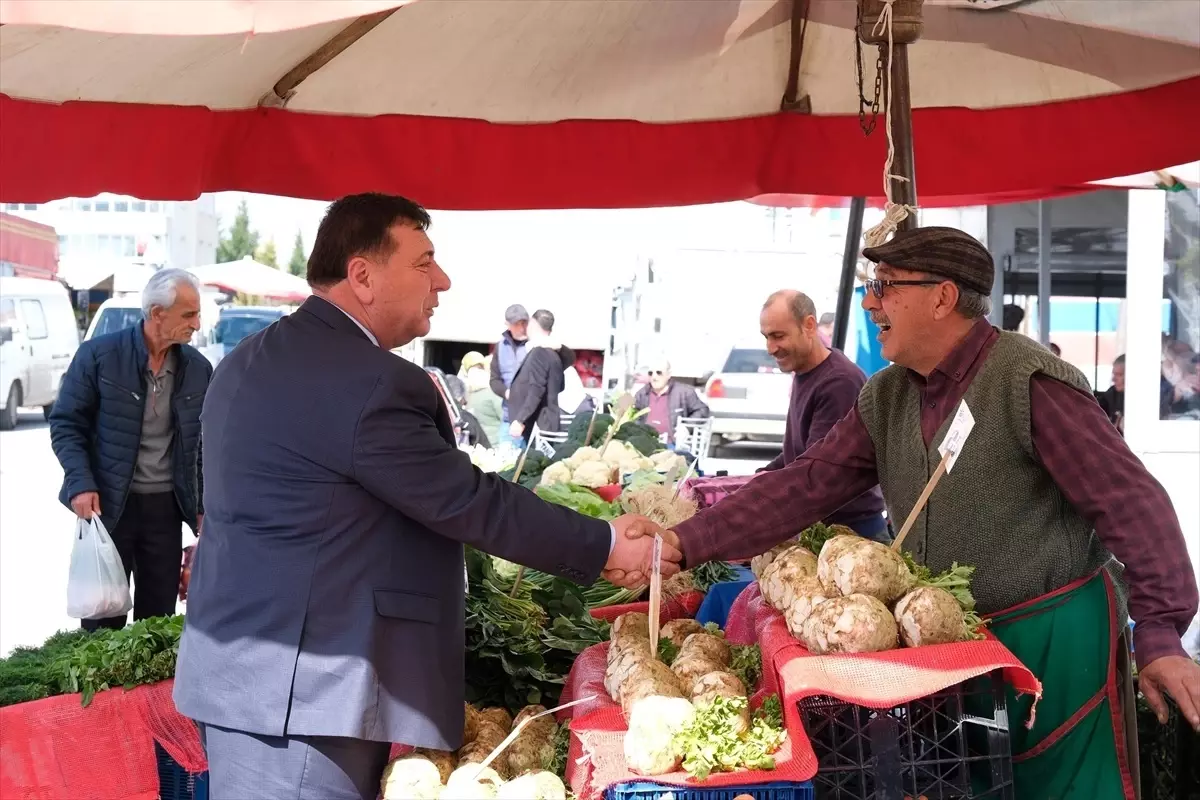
(876, 680)
(55, 749)
(681, 607)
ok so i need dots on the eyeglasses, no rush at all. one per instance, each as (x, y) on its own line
(876, 285)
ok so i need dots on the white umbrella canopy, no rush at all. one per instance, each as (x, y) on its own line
(250, 277)
(530, 103)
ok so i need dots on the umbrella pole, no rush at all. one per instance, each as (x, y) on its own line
(904, 192)
(841, 317)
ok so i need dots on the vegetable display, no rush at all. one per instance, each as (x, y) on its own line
(524, 770)
(841, 593)
(691, 709)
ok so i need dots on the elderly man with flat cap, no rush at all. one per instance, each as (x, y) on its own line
(1046, 500)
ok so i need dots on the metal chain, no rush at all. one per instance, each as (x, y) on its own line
(863, 103)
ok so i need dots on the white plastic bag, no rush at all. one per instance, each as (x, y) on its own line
(97, 586)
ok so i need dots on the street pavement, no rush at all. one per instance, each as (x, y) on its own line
(36, 532)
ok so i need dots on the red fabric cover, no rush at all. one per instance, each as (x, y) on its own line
(55, 749)
(877, 680)
(79, 149)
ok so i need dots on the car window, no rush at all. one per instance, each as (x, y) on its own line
(35, 319)
(231, 330)
(747, 360)
(8, 313)
(116, 319)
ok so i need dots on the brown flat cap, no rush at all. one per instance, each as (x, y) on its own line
(947, 252)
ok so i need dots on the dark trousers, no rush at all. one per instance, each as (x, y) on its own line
(247, 765)
(149, 539)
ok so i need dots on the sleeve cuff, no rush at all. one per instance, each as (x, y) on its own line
(1152, 642)
(612, 539)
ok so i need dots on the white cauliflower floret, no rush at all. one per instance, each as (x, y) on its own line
(592, 474)
(558, 472)
(585, 453)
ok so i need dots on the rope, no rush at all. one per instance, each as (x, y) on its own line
(893, 213)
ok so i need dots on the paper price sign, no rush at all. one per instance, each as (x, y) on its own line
(960, 429)
(655, 567)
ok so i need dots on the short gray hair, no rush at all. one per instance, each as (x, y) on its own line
(163, 287)
(971, 304)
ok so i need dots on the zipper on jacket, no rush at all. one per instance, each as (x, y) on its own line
(134, 394)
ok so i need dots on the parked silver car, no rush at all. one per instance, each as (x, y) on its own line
(748, 398)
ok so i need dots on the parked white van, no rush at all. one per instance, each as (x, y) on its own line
(38, 339)
(125, 311)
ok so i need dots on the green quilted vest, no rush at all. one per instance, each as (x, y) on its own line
(998, 509)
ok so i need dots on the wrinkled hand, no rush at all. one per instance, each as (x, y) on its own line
(1178, 677)
(86, 505)
(630, 565)
(185, 571)
(515, 430)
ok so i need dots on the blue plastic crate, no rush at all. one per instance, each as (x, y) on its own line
(647, 790)
(175, 782)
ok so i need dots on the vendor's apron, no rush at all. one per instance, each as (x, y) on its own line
(1076, 749)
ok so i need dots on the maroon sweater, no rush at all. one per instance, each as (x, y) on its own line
(821, 397)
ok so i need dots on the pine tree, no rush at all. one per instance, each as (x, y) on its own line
(266, 254)
(241, 240)
(298, 265)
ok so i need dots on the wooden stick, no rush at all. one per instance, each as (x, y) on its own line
(516, 477)
(512, 737)
(591, 426)
(655, 594)
(922, 500)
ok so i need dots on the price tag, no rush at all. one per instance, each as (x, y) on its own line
(656, 568)
(672, 474)
(956, 437)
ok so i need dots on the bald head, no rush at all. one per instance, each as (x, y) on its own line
(798, 304)
(789, 325)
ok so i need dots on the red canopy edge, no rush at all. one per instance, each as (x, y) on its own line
(49, 151)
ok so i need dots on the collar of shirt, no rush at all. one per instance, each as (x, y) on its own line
(350, 316)
(957, 364)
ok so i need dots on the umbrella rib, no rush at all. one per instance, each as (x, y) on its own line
(285, 87)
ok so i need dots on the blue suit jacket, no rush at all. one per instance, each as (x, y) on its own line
(327, 591)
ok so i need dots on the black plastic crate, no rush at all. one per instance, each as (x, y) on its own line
(952, 745)
(175, 782)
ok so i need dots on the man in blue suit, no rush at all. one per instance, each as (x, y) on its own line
(325, 613)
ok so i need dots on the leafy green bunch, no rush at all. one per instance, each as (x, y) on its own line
(520, 649)
(141, 653)
(956, 581)
(712, 742)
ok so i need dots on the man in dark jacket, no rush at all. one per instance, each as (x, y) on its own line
(508, 357)
(533, 397)
(668, 401)
(126, 429)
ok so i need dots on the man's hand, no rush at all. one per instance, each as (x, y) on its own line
(1178, 677)
(185, 571)
(630, 564)
(515, 430)
(86, 505)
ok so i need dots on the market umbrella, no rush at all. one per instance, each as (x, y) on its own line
(478, 104)
(1182, 176)
(249, 277)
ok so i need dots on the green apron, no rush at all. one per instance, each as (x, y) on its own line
(1076, 748)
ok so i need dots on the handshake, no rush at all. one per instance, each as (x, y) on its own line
(631, 562)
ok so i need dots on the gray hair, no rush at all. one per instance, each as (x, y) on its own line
(163, 287)
(800, 304)
(971, 304)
